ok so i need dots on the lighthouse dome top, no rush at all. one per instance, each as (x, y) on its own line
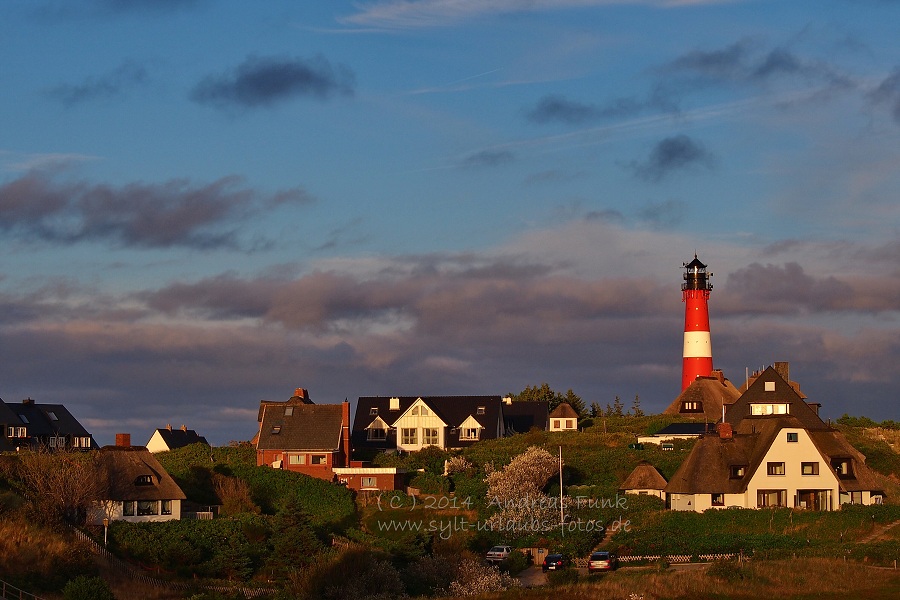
(694, 264)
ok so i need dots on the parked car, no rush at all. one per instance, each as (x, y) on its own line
(554, 562)
(498, 553)
(602, 561)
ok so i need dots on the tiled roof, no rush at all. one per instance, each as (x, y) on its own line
(300, 426)
(179, 438)
(520, 417)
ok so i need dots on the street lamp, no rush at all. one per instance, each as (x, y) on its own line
(105, 528)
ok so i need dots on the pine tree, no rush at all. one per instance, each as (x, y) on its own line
(596, 410)
(636, 407)
(618, 408)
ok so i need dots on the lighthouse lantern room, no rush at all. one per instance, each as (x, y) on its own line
(697, 355)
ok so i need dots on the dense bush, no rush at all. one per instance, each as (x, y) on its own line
(562, 577)
(87, 588)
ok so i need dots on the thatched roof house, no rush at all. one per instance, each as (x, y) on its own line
(644, 479)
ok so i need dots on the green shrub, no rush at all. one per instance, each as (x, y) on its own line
(87, 588)
(515, 563)
(726, 570)
(563, 577)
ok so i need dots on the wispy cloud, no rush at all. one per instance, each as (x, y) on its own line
(672, 154)
(264, 81)
(174, 213)
(409, 14)
(105, 87)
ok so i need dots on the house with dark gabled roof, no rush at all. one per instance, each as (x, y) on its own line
(47, 426)
(298, 435)
(564, 418)
(410, 423)
(772, 450)
(137, 487)
(167, 439)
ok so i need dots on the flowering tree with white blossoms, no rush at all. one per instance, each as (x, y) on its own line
(475, 578)
(516, 491)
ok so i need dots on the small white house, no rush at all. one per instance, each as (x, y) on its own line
(564, 418)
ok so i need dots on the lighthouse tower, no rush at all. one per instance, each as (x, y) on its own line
(697, 356)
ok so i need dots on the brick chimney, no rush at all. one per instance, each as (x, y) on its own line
(725, 431)
(784, 371)
(717, 373)
(123, 440)
(301, 393)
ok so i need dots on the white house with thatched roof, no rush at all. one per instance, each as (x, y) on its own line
(137, 487)
(645, 480)
(564, 418)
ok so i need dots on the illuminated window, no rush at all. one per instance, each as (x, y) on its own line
(718, 499)
(809, 468)
(409, 436)
(469, 433)
(775, 468)
(429, 437)
(771, 498)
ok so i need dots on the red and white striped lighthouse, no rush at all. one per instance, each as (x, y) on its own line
(697, 356)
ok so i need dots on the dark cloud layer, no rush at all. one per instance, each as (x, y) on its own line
(672, 154)
(105, 87)
(264, 81)
(174, 213)
(557, 108)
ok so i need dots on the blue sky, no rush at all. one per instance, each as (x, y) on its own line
(207, 204)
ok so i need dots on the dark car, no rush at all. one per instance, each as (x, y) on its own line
(602, 561)
(554, 562)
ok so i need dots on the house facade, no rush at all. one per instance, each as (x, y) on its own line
(46, 426)
(564, 418)
(772, 450)
(410, 423)
(138, 488)
(371, 479)
(300, 436)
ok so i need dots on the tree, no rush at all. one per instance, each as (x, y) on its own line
(596, 410)
(517, 492)
(618, 408)
(636, 407)
(543, 393)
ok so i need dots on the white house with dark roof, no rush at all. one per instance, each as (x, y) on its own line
(167, 439)
(564, 418)
(47, 426)
(772, 450)
(410, 423)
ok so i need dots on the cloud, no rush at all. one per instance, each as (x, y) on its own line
(888, 93)
(406, 14)
(264, 81)
(557, 108)
(672, 154)
(174, 213)
(106, 87)
(488, 158)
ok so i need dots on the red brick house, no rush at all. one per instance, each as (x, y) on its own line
(298, 435)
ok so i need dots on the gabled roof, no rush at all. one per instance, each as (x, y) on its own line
(299, 426)
(520, 417)
(452, 410)
(47, 419)
(711, 393)
(644, 477)
(783, 393)
(564, 411)
(179, 438)
(122, 466)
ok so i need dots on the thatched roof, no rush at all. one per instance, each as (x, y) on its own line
(564, 411)
(709, 394)
(644, 477)
(133, 473)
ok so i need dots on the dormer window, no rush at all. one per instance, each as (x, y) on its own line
(692, 406)
(842, 467)
(288, 411)
(373, 411)
(738, 471)
(395, 404)
(144, 480)
(276, 429)
(479, 410)
(768, 409)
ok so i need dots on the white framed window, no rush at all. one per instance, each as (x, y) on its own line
(570, 423)
(147, 507)
(429, 436)
(368, 482)
(469, 433)
(769, 498)
(288, 411)
(556, 424)
(409, 436)
(770, 386)
(809, 468)
(690, 406)
(318, 459)
(717, 499)
(296, 459)
(377, 434)
(21, 432)
(479, 410)
(165, 507)
(394, 404)
(143, 480)
(10, 432)
(373, 411)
